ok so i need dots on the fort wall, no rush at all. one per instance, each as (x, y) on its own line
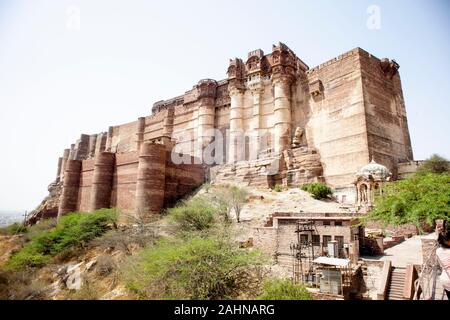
(317, 124)
(136, 183)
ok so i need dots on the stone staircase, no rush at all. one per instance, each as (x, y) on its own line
(396, 284)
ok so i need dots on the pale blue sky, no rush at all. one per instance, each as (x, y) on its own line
(57, 80)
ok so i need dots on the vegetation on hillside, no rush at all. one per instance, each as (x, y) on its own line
(422, 198)
(15, 228)
(317, 190)
(228, 198)
(197, 268)
(200, 261)
(73, 230)
(194, 215)
(189, 253)
(434, 164)
(283, 289)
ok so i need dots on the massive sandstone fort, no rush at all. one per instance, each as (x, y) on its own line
(272, 120)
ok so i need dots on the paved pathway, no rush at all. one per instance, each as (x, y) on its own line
(409, 251)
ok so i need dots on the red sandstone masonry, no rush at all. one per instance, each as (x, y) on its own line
(145, 182)
(69, 194)
(151, 179)
(102, 181)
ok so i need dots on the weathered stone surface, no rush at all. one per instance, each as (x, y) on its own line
(69, 196)
(317, 124)
(102, 181)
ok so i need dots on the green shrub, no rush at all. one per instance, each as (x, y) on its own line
(74, 229)
(434, 164)
(15, 228)
(42, 225)
(200, 268)
(318, 190)
(420, 199)
(194, 215)
(277, 188)
(281, 289)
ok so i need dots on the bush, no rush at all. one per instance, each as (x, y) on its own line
(417, 200)
(125, 240)
(21, 285)
(194, 215)
(277, 188)
(201, 268)
(42, 225)
(278, 289)
(434, 164)
(318, 190)
(15, 228)
(74, 229)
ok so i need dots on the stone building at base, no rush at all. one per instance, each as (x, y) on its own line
(272, 120)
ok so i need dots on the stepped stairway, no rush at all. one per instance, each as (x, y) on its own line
(396, 284)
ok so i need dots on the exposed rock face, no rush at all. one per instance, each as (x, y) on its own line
(292, 168)
(49, 206)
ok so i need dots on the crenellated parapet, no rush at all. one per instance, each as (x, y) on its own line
(270, 105)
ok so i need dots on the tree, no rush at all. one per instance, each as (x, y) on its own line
(318, 190)
(434, 164)
(231, 198)
(420, 199)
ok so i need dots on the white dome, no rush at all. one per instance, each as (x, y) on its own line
(376, 170)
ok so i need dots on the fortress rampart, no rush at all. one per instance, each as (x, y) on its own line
(321, 123)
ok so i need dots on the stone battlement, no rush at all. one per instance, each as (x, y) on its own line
(349, 110)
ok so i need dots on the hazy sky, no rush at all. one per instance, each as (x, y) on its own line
(72, 67)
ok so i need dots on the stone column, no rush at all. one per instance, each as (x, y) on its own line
(140, 133)
(65, 157)
(205, 131)
(69, 195)
(72, 152)
(109, 138)
(237, 146)
(102, 181)
(255, 124)
(92, 144)
(282, 112)
(369, 195)
(101, 143)
(150, 179)
(168, 122)
(82, 148)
